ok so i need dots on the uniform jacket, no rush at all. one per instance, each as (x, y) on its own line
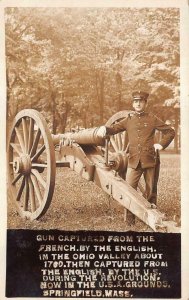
(141, 128)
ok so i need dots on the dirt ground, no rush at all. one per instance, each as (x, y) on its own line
(80, 205)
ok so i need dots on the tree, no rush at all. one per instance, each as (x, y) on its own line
(80, 65)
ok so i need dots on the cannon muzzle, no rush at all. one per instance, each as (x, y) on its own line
(90, 136)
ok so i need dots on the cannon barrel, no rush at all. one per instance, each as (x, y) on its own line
(90, 136)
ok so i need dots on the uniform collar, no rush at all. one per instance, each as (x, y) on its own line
(140, 113)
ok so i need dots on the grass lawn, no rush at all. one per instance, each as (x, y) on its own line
(80, 205)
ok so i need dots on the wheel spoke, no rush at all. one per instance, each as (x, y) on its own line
(26, 197)
(19, 194)
(39, 178)
(36, 188)
(25, 131)
(124, 139)
(38, 153)
(20, 139)
(119, 140)
(16, 178)
(16, 148)
(31, 134)
(112, 140)
(32, 195)
(116, 141)
(35, 143)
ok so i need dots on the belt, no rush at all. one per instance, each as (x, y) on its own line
(141, 147)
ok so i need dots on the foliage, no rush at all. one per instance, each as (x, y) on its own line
(80, 65)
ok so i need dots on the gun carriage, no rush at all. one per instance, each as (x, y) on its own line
(34, 153)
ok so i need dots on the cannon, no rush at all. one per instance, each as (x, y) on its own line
(33, 154)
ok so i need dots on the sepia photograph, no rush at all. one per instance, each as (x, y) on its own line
(88, 100)
(95, 122)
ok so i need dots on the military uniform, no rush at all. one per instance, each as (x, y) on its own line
(141, 128)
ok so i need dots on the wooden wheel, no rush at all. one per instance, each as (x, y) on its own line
(31, 164)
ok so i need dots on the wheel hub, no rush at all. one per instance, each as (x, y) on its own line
(119, 161)
(22, 164)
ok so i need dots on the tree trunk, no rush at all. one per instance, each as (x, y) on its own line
(120, 56)
(101, 98)
(62, 114)
(63, 117)
(176, 139)
(53, 110)
(100, 94)
(119, 90)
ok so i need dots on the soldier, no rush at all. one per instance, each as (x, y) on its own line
(140, 126)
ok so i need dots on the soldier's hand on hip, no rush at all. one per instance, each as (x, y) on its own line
(158, 147)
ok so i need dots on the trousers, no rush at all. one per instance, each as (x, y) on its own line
(133, 176)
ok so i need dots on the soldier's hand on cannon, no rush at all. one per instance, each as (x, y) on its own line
(101, 132)
(158, 147)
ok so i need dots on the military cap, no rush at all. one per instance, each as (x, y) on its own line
(139, 95)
